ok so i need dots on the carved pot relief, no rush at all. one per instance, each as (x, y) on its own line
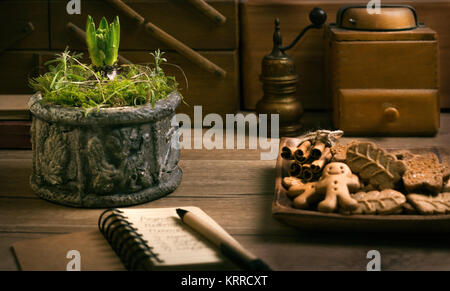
(108, 158)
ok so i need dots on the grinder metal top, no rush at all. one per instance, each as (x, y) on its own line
(389, 18)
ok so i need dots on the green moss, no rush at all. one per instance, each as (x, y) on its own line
(72, 83)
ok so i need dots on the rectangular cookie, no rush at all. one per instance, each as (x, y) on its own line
(424, 174)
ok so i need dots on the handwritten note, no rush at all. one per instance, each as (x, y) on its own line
(174, 242)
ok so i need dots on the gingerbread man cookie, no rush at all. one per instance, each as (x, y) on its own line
(333, 188)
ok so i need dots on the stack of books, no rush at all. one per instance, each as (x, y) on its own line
(15, 122)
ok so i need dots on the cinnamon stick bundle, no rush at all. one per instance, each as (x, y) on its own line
(304, 160)
(318, 165)
(302, 153)
(317, 150)
(292, 168)
(307, 173)
(287, 152)
(295, 170)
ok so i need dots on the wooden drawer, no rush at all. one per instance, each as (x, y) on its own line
(385, 64)
(178, 18)
(385, 112)
(216, 95)
(14, 17)
(383, 83)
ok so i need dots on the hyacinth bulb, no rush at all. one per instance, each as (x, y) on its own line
(103, 43)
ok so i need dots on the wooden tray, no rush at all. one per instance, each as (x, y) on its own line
(333, 222)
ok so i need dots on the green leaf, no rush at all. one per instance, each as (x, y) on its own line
(102, 56)
(91, 41)
(76, 77)
(79, 67)
(51, 62)
(110, 43)
(90, 33)
(116, 25)
(54, 80)
(103, 24)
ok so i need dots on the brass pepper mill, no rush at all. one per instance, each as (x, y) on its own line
(280, 79)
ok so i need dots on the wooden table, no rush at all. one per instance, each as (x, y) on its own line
(236, 189)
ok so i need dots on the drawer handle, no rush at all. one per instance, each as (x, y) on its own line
(391, 114)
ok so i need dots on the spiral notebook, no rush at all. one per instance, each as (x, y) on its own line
(132, 239)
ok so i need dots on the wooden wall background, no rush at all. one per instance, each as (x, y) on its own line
(256, 21)
(238, 46)
(179, 18)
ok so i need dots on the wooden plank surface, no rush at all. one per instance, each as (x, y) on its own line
(313, 251)
(309, 252)
(236, 189)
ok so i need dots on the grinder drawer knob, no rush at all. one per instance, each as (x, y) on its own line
(391, 114)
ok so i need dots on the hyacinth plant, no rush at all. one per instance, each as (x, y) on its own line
(70, 82)
(103, 44)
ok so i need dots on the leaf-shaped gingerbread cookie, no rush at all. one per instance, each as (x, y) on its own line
(374, 165)
(427, 204)
(379, 202)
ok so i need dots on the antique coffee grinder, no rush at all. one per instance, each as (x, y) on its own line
(382, 72)
(280, 79)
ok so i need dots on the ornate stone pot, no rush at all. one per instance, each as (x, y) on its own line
(107, 158)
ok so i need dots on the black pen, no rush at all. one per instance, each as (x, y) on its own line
(229, 247)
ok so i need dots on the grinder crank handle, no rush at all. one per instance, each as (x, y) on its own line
(317, 16)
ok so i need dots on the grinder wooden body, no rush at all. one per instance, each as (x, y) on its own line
(382, 81)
